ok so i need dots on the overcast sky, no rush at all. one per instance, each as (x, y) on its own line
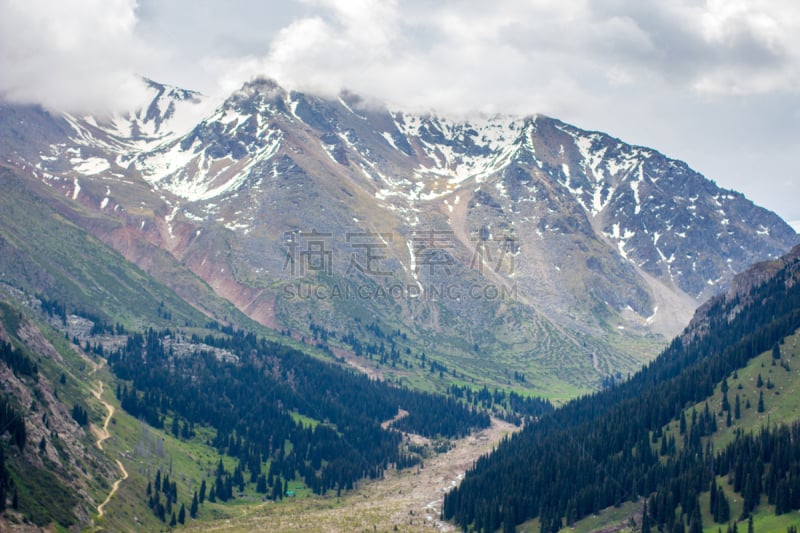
(715, 83)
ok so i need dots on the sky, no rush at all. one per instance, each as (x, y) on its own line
(715, 83)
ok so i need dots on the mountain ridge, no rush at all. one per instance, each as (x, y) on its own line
(593, 238)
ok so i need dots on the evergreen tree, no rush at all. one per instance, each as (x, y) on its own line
(645, 519)
(509, 525)
(277, 490)
(696, 521)
(193, 506)
(182, 515)
(760, 401)
(723, 510)
(713, 494)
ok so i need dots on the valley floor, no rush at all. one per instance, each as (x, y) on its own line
(410, 500)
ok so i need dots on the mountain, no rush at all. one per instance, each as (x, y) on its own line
(670, 435)
(181, 286)
(494, 245)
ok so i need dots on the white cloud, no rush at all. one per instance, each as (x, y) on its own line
(516, 55)
(72, 54)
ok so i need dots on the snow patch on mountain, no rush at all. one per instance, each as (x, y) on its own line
(90, 166)
(196, 175)
(455, 152)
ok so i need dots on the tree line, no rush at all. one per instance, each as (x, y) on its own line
(251, 403)
(596, 451)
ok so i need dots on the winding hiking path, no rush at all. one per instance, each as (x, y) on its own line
(103, 435)
(103, 432)
(114, 488)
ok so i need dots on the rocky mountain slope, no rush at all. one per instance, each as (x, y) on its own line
(499, 244)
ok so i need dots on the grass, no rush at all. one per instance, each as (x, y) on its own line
(53, 254)
(49, 253)
(305, 421)
(781, 403)
(606, 518)
(764, 519)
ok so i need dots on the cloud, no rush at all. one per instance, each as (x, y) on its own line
(452, 55)
(75, 55)
(519, 54)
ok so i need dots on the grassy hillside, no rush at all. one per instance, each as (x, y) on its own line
(58, 473)
(781, 393)
(45, 252)
(781, 406)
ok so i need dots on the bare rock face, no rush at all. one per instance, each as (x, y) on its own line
(521, 239)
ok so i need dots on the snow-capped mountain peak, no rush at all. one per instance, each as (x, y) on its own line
(601, 220)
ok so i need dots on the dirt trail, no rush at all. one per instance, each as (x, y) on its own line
(401, 413)
(114, 488)
(103, 435)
